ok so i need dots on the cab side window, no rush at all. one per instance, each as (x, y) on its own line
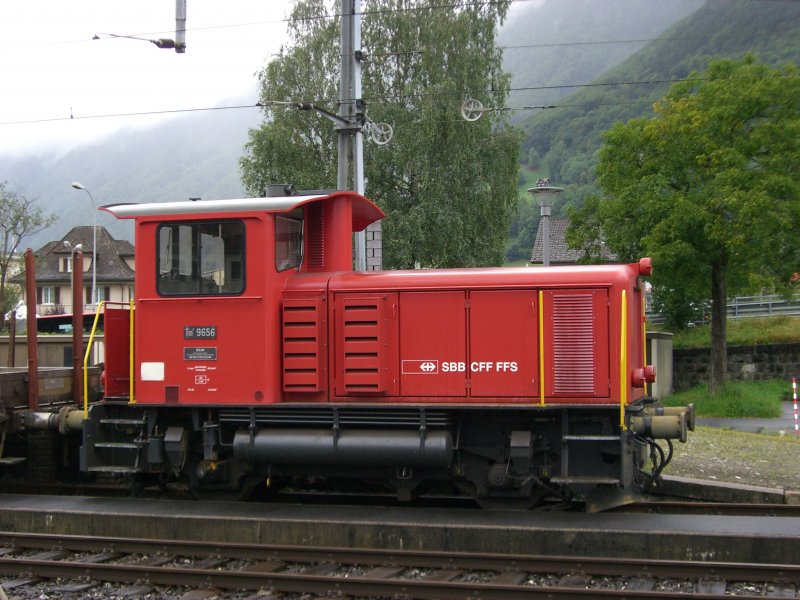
(200, 258)
(289, 240)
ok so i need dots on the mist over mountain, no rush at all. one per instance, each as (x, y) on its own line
(563, 43)
(549, 47)
(190, 156)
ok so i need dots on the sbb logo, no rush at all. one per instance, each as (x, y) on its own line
(454, 367)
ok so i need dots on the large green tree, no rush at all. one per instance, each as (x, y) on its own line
(448, 186)
(709, 187)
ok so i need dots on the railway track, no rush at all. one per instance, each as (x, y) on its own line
(685, 507)
(207, 569)
(653, 505)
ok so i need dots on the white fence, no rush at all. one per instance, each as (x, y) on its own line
(54, 350)
(763, 306)
(744, 307)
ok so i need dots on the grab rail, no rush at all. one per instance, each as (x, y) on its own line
(101, 310)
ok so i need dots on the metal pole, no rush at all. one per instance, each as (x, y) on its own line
(33, 342)
(94, 254)
(350, 174)
(80, 186)
(545, 236)
(12, 339)
(346, 47)
(77, 325)
(180, 26)
(361, 236)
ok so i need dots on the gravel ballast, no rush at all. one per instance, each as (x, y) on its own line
(767, 460)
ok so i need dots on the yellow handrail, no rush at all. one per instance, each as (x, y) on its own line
(541, 348)
(623, 361)
(131, 399)
(644, 332)
(100, 308)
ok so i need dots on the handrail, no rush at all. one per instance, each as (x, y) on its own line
(541, 348)
(131, 399)
(100, 308)
(644, 334)
(623, 361)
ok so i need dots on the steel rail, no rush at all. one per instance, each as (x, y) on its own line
(410, 558)
(686, 507)
(322, 584)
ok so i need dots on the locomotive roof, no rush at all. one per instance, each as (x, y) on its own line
(364, 210)
(565, 276)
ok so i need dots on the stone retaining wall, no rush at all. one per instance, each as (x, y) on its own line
(745, 363)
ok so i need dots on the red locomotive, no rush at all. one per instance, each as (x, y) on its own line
(258, 356)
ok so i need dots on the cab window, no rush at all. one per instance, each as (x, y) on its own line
(289, 240)
(200, 259)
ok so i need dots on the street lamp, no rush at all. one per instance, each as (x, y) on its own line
(79, 186)
(546, 194)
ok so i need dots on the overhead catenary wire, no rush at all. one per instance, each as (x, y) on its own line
(143, 113)
(332, 16)
(335, 16)
(378, 99)
(388, 98)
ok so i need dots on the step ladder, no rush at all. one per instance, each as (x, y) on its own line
(120, 442)
(568, 439)
(8, 461)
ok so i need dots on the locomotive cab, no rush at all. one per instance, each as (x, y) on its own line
(208, 291)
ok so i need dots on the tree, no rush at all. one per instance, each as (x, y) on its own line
(448, 186)
(709, 187)
(19, 218)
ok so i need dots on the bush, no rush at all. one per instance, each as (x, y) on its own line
(737, 400)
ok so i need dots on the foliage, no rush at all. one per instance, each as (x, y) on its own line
(742, 332)
(523, 231)
(19, 219)
(735, 400)
(447, 186)
(545, 69)
(10, 297)
(293, 146)
(709, 188)
(569, 136)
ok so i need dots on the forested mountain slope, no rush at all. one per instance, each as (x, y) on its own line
(568, 136)
(561, 43)
(565, 139)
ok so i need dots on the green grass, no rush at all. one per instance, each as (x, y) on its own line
(742, 332)
(741, 399)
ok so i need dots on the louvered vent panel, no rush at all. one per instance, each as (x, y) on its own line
(361, 351)
(302, 330)
(315, 229)
(573, 344)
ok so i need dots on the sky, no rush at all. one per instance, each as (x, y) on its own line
(56, 80)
